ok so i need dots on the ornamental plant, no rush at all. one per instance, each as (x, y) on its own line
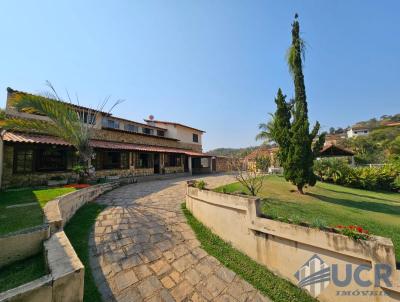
(353, 231)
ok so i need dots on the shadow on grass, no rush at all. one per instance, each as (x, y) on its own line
(362, 205)
(367, 196)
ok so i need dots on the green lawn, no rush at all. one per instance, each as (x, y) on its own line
(25, 216)
(279, 290)
(77, 231)
(378, 212)
(21, 272)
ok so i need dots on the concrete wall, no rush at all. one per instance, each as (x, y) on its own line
(60, 210)
(63, 283)
(20, 245)
(284, 248)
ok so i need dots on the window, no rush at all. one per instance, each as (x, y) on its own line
(160, 133)
(51, 159)
(173, 160)
(148, 131)
(109, 123)
(23, 160)
(195, 138)
(131, 128)
(87, 118)
(144, 160)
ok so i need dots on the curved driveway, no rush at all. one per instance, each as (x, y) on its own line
(143, 250)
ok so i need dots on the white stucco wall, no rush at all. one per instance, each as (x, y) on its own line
(184, 134)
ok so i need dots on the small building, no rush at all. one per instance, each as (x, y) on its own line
(332, 150)
(122, 147)
(250, 161)
(356, 131)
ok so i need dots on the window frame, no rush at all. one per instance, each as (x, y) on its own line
(195, 138)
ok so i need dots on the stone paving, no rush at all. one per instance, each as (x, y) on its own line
(143, 250)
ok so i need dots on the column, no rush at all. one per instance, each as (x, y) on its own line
(190, 164)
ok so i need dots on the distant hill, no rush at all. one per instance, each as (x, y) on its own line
(232, 152)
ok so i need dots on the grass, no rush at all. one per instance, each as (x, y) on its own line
(21, 272)
(279, 290)
(17, 218)
(77, 231)
(378, 212)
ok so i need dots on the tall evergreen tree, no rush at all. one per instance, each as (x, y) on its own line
(299, 153)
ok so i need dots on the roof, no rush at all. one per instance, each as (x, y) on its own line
(51, 140)
(10, 90)
(359, 127)
(262, 151)
(33, 138)
(331, 150)
(173, 123)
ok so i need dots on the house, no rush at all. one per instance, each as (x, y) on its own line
(122, 148)
(357, 130)
(250, 161)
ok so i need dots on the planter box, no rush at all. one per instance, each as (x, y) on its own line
(113, 177)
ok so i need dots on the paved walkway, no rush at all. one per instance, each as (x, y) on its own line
(143, 250)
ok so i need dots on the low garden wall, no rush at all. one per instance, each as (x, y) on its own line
(314, 259)
(60, 210)
(23, 244)
(64, 281)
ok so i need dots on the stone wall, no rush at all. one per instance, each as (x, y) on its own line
(11, 179)
(23, 244)
(135, 138)
(171, 170)
(64, 281)
(285, 248)
(60, 210)
(222, 164)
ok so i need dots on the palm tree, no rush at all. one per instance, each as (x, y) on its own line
(65, 121)
(267, 133)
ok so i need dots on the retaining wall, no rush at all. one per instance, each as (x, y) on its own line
(23, 244)
(60, 210)
(64, 281)
(289, 250)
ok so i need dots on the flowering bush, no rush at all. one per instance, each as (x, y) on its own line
(77, 186)
(353, 231)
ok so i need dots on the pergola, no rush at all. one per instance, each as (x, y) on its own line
(332, 150)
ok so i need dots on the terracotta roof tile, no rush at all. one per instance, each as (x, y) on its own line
(44, 139)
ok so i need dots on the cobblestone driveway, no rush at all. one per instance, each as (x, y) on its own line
(143, 250)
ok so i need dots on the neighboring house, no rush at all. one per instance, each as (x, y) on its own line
(250, 161)
(356, 131)
(334, 138)
(121, 147)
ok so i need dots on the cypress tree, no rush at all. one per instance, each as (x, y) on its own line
(281, 126)
(299, 154)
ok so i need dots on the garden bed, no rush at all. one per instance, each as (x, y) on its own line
(329, 206)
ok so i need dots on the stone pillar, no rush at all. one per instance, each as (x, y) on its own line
(210, 164)
(190, 164)
(352, 161)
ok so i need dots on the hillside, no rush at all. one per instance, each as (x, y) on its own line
(231, 152)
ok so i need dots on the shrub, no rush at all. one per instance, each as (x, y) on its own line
(353, 231)
(371, 178)
(200, 184)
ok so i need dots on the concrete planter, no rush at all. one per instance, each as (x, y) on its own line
(294, 252)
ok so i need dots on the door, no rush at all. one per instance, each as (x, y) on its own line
(157, 163)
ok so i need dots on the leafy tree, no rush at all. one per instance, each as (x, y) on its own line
(297, 151)
(262, 163)
(2, 114)
(331, 130)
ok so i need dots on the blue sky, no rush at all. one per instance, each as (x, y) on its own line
(215, 65)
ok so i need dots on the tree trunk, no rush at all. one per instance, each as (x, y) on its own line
(300, 189)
